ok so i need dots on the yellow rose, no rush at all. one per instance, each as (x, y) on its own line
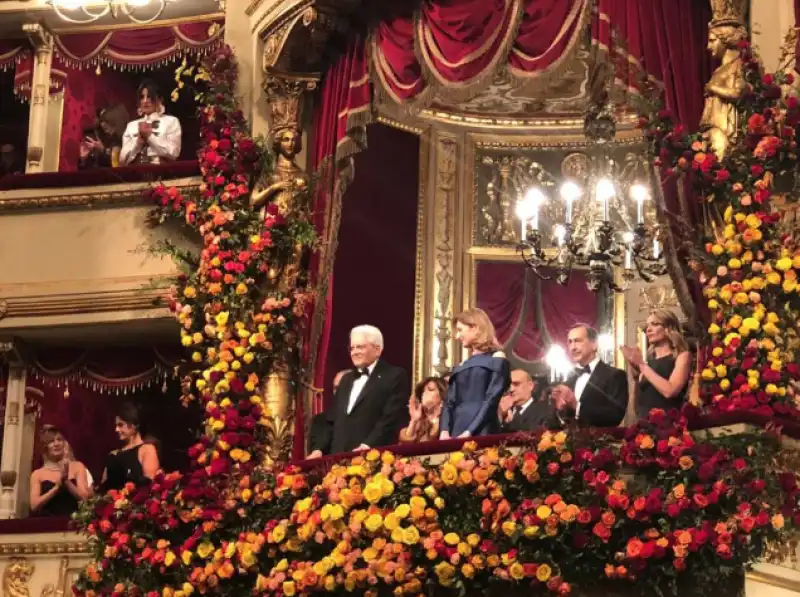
(205, 549)
(717, 250)
(449, 474)
(222, 318)
(543, 512)
(373, 522)
(773, 278)
(721, 370)
(751, 323)
(390, 522)
(468, 570)
(411, 535)
(190, 292)
(278, 534)
(713, 329)
(729, 231)
(725, 385)
(451, 539)
(531, 531)
(753, 221)
(713, 304)
(543, 573)
(402, 511)
(707, 374)
(289, 588)
(509, 527)
(170, 558)
(373, 493)
(784, 264)
(516, 571)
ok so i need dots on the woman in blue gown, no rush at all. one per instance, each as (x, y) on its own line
(477, 384)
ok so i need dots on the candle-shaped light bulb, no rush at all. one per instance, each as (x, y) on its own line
(639, 194)
(560, 234)
(656, 248)
(534, 198)
(627, 238)
(525, 212)
(604, 192)
(557, 361)
(570, 192)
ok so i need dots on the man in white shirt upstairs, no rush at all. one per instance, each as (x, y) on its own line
(596, 394)
(155, 137)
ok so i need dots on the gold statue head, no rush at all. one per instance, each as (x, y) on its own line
(727, 27)
(286, 141)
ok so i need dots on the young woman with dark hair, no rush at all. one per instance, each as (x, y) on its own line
(137, 461)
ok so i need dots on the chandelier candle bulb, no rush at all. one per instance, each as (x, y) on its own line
(570, 192)
(627, 238)
(656, 248)
(639, 195)
(604, 192)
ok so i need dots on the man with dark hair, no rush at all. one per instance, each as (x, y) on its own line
(156, 136)
(596, 394)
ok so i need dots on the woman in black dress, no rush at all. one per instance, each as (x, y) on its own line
(664, 377)
(62, 483)
(137, 461)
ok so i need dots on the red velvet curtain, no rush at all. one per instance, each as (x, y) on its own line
(530, 314)
(453, 47)
(376, 259)
(86, 93)
(341, 114)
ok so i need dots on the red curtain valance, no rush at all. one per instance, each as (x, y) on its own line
(12, 51)
(107, 370)
(452, 48)
(138, 48)
(122, 49)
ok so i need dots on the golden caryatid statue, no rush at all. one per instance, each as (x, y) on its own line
(286, 187)
(720, 120)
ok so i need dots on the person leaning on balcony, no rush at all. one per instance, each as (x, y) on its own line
(424, 411)
(155, 137)
(137, 462)
(664, 376)
(477, 384)
(61, 483)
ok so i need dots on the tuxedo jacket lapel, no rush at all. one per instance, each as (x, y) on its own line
(372, 382)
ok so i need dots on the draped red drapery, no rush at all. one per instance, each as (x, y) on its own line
(453, 48)
(530, 314)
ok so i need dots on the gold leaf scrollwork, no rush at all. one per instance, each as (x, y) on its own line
(16, 577)
(446, 180)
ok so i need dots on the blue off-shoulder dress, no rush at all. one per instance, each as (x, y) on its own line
(474, 393)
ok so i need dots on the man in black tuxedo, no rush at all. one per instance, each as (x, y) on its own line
(596, 394)
(523, 408)
(370, 406)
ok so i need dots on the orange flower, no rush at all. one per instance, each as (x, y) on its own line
(634, 548)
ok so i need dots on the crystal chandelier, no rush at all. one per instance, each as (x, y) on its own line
(635, 247)
(141, 12)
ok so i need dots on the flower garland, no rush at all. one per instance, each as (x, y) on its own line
(238, 323)
(749, 269)
(663, 510)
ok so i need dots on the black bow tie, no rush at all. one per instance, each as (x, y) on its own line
(359, 372)
(585, 369)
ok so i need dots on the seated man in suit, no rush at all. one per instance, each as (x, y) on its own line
(596, 394)
(524, 408)
(370, 405)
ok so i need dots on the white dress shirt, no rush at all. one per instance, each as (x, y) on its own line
(163, 144)
(358, 386)
(581, 383)
(518, 410)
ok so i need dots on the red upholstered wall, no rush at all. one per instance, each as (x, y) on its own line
(375, 263)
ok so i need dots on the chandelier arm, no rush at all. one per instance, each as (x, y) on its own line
(130, 12)
(64, 16)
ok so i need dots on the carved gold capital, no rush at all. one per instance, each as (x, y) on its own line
(285, 94)
(16, 576)
(40, 37)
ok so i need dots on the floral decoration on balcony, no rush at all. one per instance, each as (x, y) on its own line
(564, 512)
(236, 319)
(750, 258)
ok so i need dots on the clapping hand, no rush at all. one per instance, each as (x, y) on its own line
(563, 398)
(414, 408)
(506, 404)
(633, 355)
(145, 130)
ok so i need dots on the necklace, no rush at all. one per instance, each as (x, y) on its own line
(52, 466)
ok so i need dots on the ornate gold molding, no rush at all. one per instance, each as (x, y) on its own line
(421, 300)
(536, 126)
(117, 195)
(445, 209)
(773, 580)
(44, 549)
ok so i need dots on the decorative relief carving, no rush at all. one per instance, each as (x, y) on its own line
(42, 549)
(503, 174)
(122, 195)
(3, 308)
(444, 197)
(784, 554)
(657, 297)
(16, 577)
(57, 589)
